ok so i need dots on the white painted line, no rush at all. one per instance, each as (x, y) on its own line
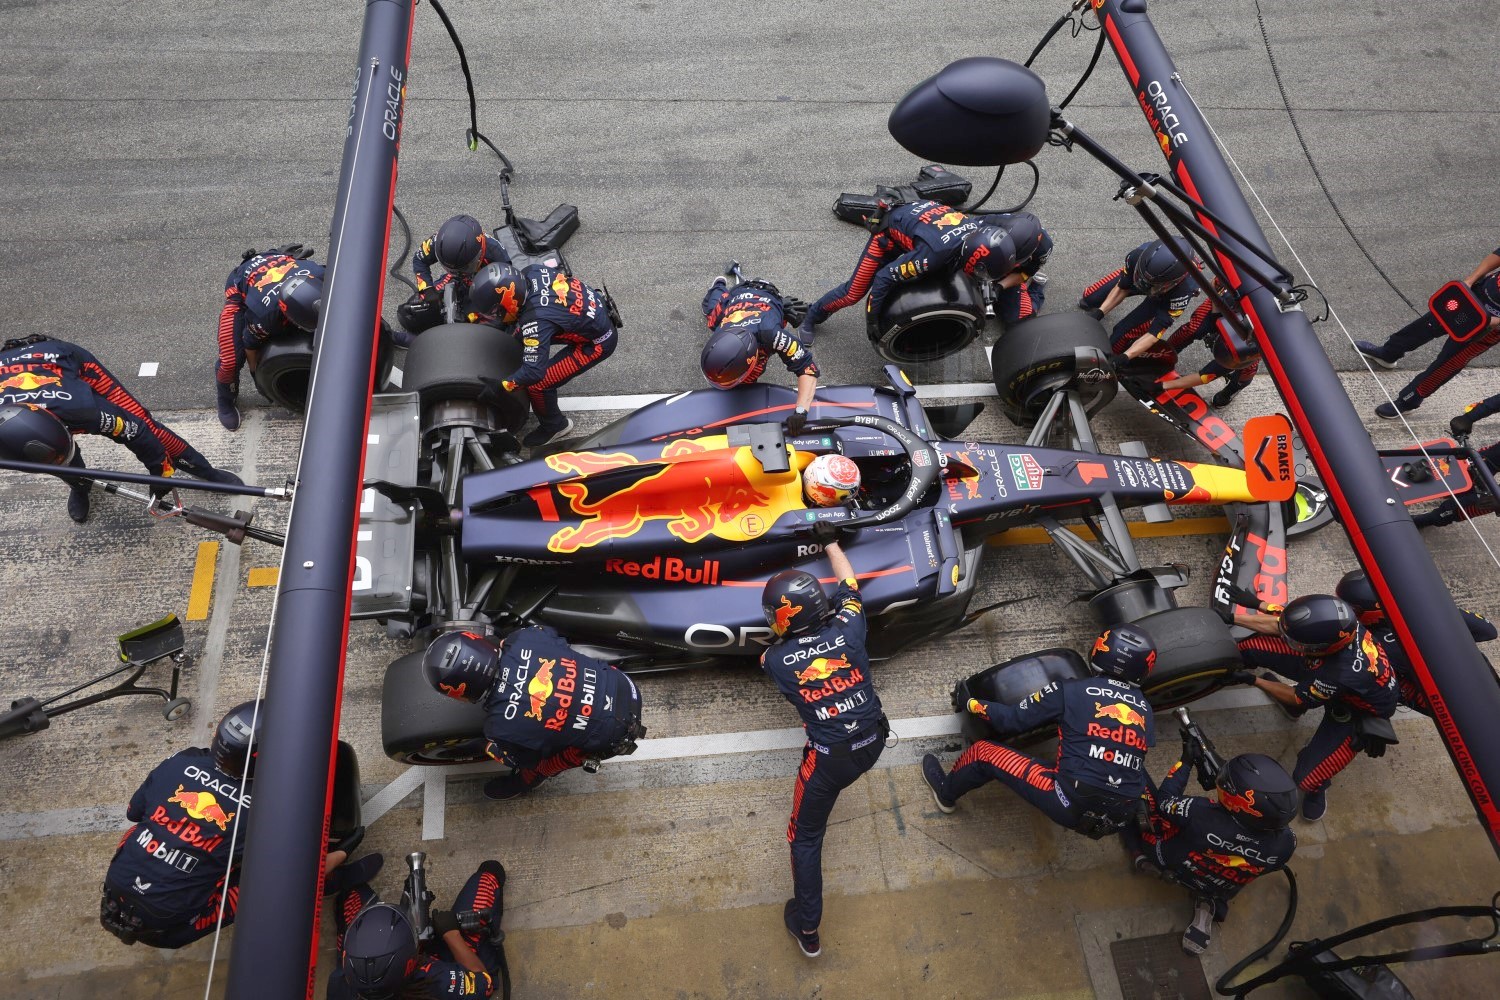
(384, 800)
(395, 377)
(434, 803)
(148, 369)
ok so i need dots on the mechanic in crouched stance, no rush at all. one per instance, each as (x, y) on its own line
(1153, 272)
(546, 306)
(750, 324)
(380, 957)
(548, 707)
(1104, 728)
(819, 664)
(178, 867)
(1216, 848)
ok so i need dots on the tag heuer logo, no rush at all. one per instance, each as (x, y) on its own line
(1026, 471)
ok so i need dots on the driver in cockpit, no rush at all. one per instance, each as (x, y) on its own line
(830, 480)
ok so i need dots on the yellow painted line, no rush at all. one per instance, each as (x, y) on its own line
(1138, 529)
(264, 576)
(202, 591)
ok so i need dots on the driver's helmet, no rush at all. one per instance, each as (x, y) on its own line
(829, 480)
(1257, 792)
(1318, 624)
(33, 434)
(380, 947)
(1355, 590)
(233, 747)
(729, 356)
(1123, 652)
(461, 665)
(458, 243)
(793, 602)
(300, 299)
(498, 293)
(1025, 232)
(988, 253)
(1157, 270)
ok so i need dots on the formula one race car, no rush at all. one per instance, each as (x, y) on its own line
(648, 543)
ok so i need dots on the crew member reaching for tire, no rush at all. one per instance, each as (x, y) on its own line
(750, 324)
(1022, 292)
(1104, 728)
(267, 295)
(546, 305)
(1152, 271)
(548, 708)
(1237, 369)
(463, 248)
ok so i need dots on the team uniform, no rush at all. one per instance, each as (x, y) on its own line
(752, 307)
(251, 314)
(1025, 300)
(490, 252)
(1153, 315)
(1203, 326)
(561, 310)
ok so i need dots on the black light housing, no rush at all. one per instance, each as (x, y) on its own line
(976, 112)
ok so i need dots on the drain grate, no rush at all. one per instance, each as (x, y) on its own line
(1156, 968)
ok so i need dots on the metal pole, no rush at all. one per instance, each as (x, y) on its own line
(276, 930)
(1458, 681)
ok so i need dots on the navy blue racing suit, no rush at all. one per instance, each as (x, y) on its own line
(1203, 325)
(1104, 728)
(1198, 843)
(553, 707)
(916, 239)
(173, 868)
(1453, 356)
(1026, 299)
(434, 973)
(825, 674)
(251, 314)
(490, 252)
(1156, 311)
(752, 307)
(563, 310)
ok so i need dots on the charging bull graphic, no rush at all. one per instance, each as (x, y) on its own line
(28, 382)
(697, 490)
(539, 688)
(202, 806)
(1239, 803)
(784, 615)
(821, 669)
(1121, 713)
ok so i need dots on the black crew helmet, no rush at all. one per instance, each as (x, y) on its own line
(1257, 792)
(379, 946)
(1025, 232)
(461, 665)
(458, 243)
(1318, 624)
(234, 746)
(1354, 589)
(1123, 652)
(988, 253)
(1157, 270)
(729, 356)
(301, 300)
(33, 434)
(497, 294)
(793, 602)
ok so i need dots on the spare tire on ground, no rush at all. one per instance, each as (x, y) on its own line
(929, 320)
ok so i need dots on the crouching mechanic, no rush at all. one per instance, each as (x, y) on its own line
(173, 872)
(269, 294)
(1153, 272)
(1104, 728)
(1216, 848)
(546, 305)
(548, 707)
(380, 957)
(1021, 293)
(819, 664)
(1237, 369)
(749, 324)
(913, 241)
(71, 384)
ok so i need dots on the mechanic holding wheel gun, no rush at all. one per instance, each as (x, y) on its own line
(462, 247)
(381, 957)
(549, 708)
(173, 871)
(1215, 848)
(70, 383)
(1022, 292)
(1104, 728)
(910, 242)
(819, 664)
(750, 322)
(545, 304)
(1153, 271)
(1236, 368)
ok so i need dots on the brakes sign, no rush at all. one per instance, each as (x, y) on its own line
(1268, 451)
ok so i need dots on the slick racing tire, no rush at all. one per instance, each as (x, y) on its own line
(446, 363)
(1194, 653)
(284, 372)
(1010, 683)
(1047, 354)
(420, 726)
(929, 320)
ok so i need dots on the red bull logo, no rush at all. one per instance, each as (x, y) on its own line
(1226, 860)
(976, 707)
(741, 315)
(560, 287)
(1101, 645)
(539, 688)
(1239, 803)
(965, 479)
(784, 615)
(697, 490)
(28, 382)
(454, 692)
(1120, 712)
(202, 806)
(275, 273)
(821, 669)
(949, 219)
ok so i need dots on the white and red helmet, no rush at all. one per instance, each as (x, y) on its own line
(829, 480)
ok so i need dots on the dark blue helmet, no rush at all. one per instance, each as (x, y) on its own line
(1257, 792)
(988, 253)
(1123, 652)
(793, 602)
(461, 665)
(379, 948)
(1157, 270)
(33, 434)
(234, 742)
(1318, 624)
(458, 243)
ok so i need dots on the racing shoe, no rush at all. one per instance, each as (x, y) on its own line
(229, 415)
(1223, 397)
(1198, 934)
(507, 786)
(78, 502)
(1389, 411)
(807, 941)
(1373, 354)
(935, 776)
(1314, 805)
(545, 433)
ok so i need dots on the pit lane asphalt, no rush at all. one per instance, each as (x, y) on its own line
(145, 148)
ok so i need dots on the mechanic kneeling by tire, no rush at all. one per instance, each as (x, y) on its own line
(1104, 728)
(549, 708)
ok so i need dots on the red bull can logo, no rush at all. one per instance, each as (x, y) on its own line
(202, 806)
(274, 274)
(539, 689)
(1120, 712)
(949, 219)
(821, 669)
(1226, 860)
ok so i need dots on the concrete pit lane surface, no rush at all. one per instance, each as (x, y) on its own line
(147, 148)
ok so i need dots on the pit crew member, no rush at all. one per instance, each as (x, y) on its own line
(749, 325)
(1024, 290)
(1153, 272)
(267, 295)
(1203, 325)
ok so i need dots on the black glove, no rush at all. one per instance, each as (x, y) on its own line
(794, 310)
(1461, 425)
(444, 921)
(824, 532)
(796, 422)
(160, 491)
(296, 250)
(1192, 752)
(1240, 677)
(492, 392)
(1118, 361)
